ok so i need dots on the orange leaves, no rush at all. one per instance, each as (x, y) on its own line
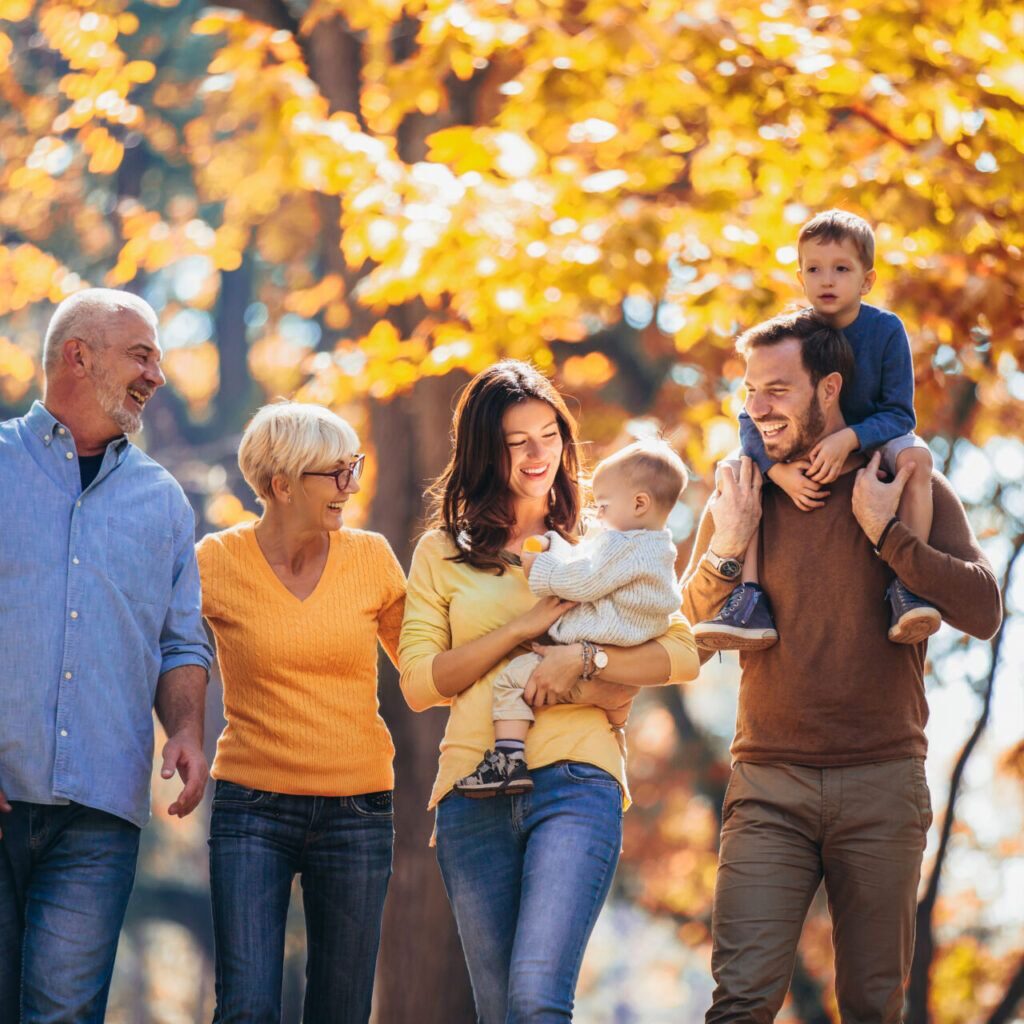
(589, 371)
(194, 370)
(462, 149)
(327, 294)
(17, 371)
(105, 152)
(28, 275)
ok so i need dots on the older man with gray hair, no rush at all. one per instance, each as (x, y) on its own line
(100, 620)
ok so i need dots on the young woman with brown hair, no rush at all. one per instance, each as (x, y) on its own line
(527, 874)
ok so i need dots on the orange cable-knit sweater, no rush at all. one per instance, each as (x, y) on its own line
(300, 677)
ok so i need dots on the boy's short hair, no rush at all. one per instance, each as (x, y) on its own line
(291, 438)
(823, 348)
(841, 226)
(652, 465)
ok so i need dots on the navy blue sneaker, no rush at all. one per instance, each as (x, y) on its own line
(913, 620)
(745, 623)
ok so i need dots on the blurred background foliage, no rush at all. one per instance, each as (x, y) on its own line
(360, 204)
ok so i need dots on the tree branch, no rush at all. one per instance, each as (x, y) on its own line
(924, 946)
(1005, 1011)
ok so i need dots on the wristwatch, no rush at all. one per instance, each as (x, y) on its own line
(594, 660)
(730, 568)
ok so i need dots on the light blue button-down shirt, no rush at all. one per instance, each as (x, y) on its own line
(99, 595)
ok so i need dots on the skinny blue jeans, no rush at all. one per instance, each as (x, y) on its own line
(66, 872)
(341, 848)
(526, 877)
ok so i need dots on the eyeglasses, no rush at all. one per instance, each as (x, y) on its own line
(342, 477)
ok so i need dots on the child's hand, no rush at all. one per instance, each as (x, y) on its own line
(792, 478)
(828, 456)
(527, 558)
(532, 547)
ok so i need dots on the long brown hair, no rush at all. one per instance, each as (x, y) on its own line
(471, 500)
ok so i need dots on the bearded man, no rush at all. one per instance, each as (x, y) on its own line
(100, 621)
(828, 780)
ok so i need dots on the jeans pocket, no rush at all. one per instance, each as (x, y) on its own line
(232, 793)
(589, 774)
(373, 805)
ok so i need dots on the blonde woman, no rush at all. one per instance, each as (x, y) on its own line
(297, 604)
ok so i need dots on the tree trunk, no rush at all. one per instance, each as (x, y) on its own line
(421, 975)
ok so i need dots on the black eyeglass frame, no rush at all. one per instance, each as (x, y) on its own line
(350, 473)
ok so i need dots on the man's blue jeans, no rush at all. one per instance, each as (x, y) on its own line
(66, 873)
(341, 848)
(527, 876)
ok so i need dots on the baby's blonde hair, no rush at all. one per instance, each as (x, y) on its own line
(651, 465)
(291, 438)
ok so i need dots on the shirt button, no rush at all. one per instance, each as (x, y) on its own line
(61, 431)
(63, 732)
(67, 675)
(69, 455)
(75, 560)
(78, 504)
(47, 439)
(74, 615)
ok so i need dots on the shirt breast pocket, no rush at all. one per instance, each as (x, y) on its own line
(139, 559)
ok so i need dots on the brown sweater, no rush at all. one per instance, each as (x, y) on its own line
(834, 690)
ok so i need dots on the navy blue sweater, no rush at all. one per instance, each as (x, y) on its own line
(879, 403)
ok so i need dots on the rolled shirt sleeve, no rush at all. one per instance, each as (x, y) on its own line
(183, 637)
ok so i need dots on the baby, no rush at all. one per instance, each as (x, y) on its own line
(625, 583)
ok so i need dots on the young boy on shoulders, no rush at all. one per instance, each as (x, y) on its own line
(837, 255)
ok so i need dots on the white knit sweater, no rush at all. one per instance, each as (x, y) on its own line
(625, 581)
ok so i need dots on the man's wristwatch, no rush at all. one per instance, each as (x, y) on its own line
(730, 568)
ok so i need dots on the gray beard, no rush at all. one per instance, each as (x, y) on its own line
(111, 398)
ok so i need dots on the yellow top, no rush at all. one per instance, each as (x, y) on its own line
(300, 677)
(450, 604)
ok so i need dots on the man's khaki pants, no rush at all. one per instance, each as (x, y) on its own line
(785, 828)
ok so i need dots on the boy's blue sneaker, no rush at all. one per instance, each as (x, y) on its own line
(745, 623)
(913, 620)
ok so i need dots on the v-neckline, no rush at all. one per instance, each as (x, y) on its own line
(284, 589)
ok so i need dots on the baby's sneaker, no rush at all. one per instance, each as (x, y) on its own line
(745, 623)
(497, 773)
(913, 620)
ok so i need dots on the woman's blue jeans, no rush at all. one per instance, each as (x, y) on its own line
(341, 847)
(527, 876)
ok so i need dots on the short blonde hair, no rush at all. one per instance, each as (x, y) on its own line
(652, 465)
(291, 438)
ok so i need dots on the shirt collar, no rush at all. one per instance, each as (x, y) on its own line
(46, 426)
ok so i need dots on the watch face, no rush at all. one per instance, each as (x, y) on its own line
(600, 659)
(730, 567)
